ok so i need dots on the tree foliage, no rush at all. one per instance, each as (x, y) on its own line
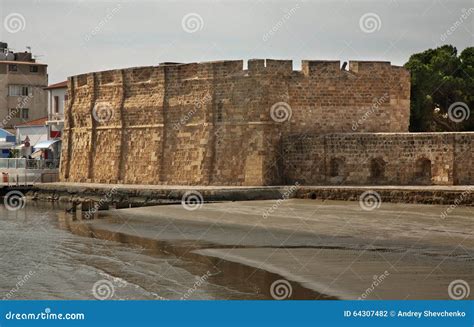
(439, 78)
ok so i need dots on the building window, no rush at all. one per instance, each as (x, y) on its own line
(377, 168)
(14, 113)
(423, 171)
(336, 167)
(56, 104)
(24, 113)
(33, 69)
(19, 90)
(12, 68)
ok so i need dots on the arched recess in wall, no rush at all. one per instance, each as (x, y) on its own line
(337, 170)
(422, 173)
(377, 170)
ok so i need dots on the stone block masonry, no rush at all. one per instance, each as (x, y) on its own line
(379, 159)
(216, 124)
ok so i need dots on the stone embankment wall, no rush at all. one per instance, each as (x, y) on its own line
(216, 123)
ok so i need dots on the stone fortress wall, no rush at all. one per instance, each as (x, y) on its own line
(218, 124)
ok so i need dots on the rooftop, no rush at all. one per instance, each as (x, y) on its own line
(36, 122)
(14, 62)
(59, 85)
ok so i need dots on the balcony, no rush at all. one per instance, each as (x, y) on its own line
(55, 117)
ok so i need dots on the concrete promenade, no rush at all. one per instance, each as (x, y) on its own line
(140, 195)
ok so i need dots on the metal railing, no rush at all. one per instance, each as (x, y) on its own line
(26, 172)
(22, 163)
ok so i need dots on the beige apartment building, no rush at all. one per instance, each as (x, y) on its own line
(22, 83)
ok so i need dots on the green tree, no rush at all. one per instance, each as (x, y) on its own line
(440, 78)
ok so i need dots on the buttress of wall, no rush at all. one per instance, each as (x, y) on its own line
(188, 97)
(241, 129)
(348, 159)
(369, 97)
(106, 130)
(142, 118)
(78, 124)
(464, 158)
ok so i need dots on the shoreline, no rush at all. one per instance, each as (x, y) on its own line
(126, 196)
(314, 252)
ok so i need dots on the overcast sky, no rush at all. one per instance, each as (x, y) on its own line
(79, 36)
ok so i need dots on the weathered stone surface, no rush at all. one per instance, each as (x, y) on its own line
(213, 124)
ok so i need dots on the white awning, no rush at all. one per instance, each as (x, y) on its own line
(45, 144)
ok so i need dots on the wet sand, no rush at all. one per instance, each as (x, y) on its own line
(335, 249)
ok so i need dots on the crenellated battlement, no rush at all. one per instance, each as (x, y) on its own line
(234, 68)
